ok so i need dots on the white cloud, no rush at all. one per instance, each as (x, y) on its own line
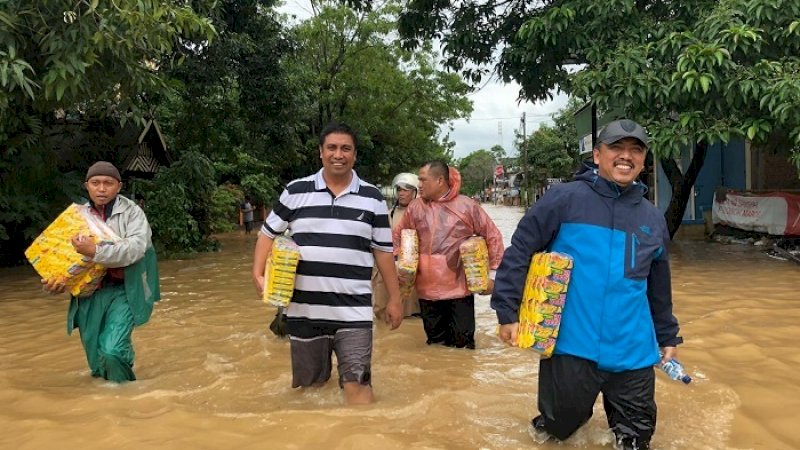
(496, 117)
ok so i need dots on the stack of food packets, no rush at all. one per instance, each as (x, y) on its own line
(55, 259)
(280, 271)
(407, 261)
(542, 301)
(475, 257)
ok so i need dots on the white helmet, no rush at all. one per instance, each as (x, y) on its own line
(405, 181)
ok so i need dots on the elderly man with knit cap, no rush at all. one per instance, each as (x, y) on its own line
(124, 299)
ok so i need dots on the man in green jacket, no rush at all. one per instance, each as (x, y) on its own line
(125, 296)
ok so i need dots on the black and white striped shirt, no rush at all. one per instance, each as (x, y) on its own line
(336, 236)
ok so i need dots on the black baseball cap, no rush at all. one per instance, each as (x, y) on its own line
(621, 129)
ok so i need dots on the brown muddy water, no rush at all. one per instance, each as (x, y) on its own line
(211, 376)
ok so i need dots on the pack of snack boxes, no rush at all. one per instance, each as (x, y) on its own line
(54, 257)
(281, 271)
(407, 261)
(542, 301)
(475, 257)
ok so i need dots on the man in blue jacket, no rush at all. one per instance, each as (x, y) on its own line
(618, 311)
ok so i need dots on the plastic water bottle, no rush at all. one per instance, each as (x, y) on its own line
(674, 370)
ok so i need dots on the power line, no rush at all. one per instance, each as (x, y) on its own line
(530, 118)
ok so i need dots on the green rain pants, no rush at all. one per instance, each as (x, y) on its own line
(105, 322)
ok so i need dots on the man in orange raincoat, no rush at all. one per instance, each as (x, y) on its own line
(444, 219)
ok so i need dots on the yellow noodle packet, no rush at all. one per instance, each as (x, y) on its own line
(281, 271)
(54, 258)
(407, 261)
(543, 301)
(475, 257)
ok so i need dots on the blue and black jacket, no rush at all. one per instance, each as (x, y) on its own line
(618, 309)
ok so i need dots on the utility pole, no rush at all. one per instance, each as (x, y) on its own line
(494, 177)
(526, 186)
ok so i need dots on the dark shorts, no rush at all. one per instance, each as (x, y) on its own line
(248, 226)
(311, 358)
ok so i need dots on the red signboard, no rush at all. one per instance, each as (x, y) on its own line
(498, 170)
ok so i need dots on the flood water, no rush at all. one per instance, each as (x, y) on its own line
(211, 376)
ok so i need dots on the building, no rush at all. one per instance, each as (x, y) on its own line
(735, 166)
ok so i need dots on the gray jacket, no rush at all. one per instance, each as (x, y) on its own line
(130, 224)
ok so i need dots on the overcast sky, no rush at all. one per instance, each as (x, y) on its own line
(496, 117)
(496, 114)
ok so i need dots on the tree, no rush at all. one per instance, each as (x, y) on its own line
(65, 61)
(549, 156)
(235, 102)
(694, 72)
(178, 206)
(552, 151)
(477, 170)
(498, 152)
(356, 73)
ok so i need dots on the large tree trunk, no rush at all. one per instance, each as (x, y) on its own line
(682, 186)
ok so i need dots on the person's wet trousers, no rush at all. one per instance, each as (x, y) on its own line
(449, 322)
(568, 388)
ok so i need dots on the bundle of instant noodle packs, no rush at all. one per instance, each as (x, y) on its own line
(475, 257)
(407, 261)
(280, 272)
(542, 301)
(55, 259)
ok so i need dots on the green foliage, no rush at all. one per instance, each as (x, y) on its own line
(692, 71)
(224, 208)
(234, 101)
(179, 206)
(58, 53)
(549, 155)
(477, 170)
(552, 149)
(498, 151)
(63, 62)
(167, 208)
(733, 72)
(356, 72)
(262, 188)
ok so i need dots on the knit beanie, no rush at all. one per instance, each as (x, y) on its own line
(103, 168)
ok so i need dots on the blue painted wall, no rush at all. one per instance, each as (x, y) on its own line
(724, 166)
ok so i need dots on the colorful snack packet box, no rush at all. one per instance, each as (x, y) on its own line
(281, 271)
(542, 301)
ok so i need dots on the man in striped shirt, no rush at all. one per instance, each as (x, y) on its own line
(341, 224)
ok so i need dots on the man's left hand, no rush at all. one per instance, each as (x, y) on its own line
(668, 353)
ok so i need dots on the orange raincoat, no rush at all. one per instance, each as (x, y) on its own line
(442, 225)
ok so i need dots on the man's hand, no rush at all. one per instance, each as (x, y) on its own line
(259, 281)
(489, 289)
(508, 333)
(53, 287)
(394, 312)
(84, 245)
(260, 255)
(668, 353)
(394, 306)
